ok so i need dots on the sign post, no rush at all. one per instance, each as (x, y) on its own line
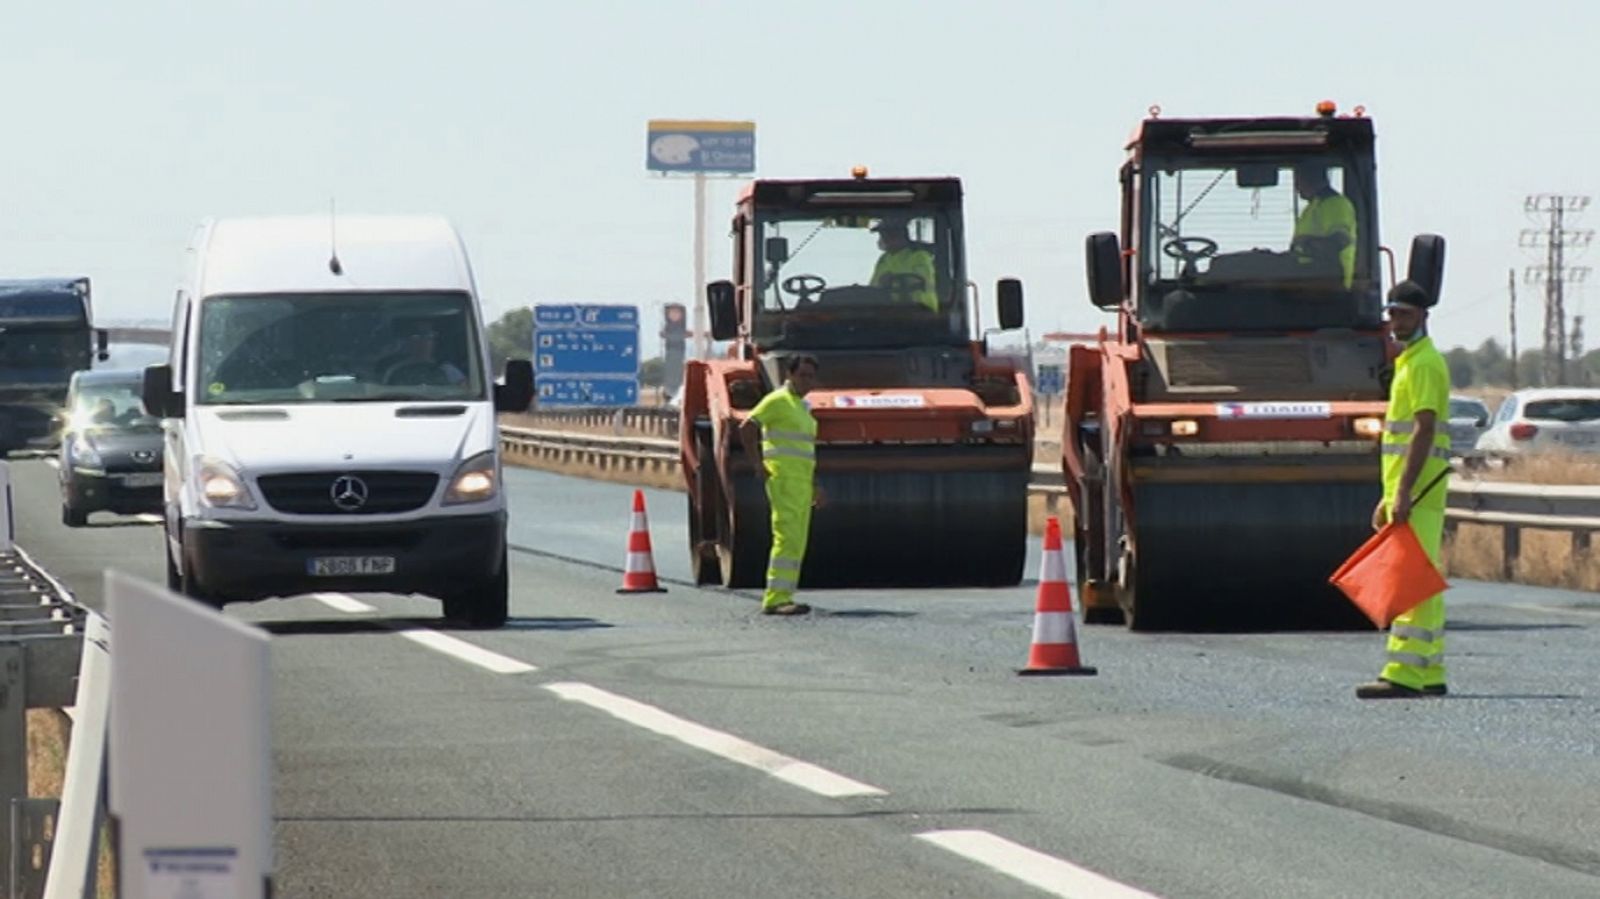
(700, 148)
(585, 355)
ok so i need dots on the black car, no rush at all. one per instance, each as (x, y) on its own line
(110, 449)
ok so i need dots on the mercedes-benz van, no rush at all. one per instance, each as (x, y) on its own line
(329, 416)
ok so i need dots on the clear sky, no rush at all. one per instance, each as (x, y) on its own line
(525, 123)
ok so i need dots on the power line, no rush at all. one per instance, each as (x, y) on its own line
(1555, 238)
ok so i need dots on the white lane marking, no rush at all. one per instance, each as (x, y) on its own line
(801, 774)
(450, 646)
(150, 518)
(343, 603)
(466, 652)
(1048, 873)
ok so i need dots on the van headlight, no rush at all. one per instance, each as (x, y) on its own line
(475, 480)
(221, 487)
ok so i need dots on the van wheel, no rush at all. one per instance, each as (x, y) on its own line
(485, 605)
(174, 580)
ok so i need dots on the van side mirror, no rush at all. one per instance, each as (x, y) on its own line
(1008, 295)
(1426, 266)
(517, 391)
(724, 310)
(102, 344)
(1104, 258)
(157, 395)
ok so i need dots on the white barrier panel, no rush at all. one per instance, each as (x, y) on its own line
(191, 782)
(8, 525)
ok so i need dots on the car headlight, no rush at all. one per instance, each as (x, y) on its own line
(83, 455)
(1367, 427)
(221, 487)
(476, 480)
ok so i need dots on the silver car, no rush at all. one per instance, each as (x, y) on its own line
(1544, 420)
(1469, 418)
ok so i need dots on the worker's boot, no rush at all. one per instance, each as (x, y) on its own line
(1382, 689)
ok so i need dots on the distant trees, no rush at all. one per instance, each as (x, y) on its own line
(1490, 366)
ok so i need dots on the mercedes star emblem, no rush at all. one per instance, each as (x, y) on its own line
(349, 492)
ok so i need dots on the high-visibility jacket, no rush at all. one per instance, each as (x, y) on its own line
(788, 432)
(1327, 216)
(908, 261)
(1421, 382)
(789, 455)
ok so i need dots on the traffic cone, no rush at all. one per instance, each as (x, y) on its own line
(639, 571)
(1055, 632)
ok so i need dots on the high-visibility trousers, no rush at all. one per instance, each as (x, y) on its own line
(1416, 639)
(789, 494)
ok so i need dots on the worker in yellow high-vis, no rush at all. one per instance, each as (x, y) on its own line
(784, 429)
(1415, 458)
(904, 269)
(1326, 228)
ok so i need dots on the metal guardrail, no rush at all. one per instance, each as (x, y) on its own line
(50, 651)
(1512, 507)
(1515, 507)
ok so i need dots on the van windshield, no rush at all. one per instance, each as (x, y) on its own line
(344, 347)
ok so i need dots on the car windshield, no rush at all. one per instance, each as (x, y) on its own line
(1258, 243)
(861, 278)
(102, 406)
(1571, 409)
(1468, 409)
(345, 347)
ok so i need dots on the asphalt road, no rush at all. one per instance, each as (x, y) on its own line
(678, 744)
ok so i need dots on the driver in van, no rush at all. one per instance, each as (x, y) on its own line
(904, 269)
(417, 363)
(1326, 228)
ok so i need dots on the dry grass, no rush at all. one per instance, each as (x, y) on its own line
(48, 734)
(1557, 469)
(1546, 559)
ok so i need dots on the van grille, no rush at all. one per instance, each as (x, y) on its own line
(313, 493)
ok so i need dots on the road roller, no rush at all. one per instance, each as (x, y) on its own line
(925, 435)
(1220, 446)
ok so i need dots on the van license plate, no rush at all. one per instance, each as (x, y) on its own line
(151, 479)
(340, 566)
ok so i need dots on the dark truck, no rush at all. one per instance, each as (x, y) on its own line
(45, 336)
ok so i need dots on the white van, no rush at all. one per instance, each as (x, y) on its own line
(330, 416)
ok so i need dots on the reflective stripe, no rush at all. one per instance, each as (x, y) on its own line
(1417, 661)
(1054, 627)
(1399, 449)
(1407, 632)
(1400, 427)
(808, 453)
(784, 565)
(781, 584)
(800, 436)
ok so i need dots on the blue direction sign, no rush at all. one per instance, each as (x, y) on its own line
(569, 390)
(1051, 380)
(724, 147)
(584, 315)
(588, 352)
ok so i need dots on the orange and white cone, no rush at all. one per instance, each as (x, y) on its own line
(1055, 632)
(639, 572)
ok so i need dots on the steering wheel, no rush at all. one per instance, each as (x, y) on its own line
(416, 372)
(1179, 248)
(806, 287)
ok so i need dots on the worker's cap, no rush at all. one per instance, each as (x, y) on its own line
(891, 224)
(1408, 294)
